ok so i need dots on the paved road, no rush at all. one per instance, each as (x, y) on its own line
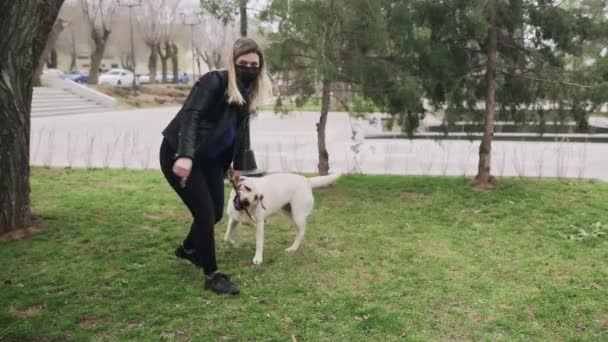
(131, 139)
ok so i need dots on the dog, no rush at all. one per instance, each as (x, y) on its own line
(253, 200)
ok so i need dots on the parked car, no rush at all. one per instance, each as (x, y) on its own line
(159, 78)
(183, 78)
(54, 72)
(116, 77)
(145, 78)
(78, 76)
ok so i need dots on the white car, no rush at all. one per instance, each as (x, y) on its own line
(54, 73)
(145, 78)
(116, 77)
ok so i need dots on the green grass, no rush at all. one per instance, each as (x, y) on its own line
(385, 258)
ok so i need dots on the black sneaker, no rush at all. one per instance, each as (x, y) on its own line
(221, 284)
(181, 253)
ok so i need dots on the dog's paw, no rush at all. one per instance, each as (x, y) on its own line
(257, 261)
(291, 249)
(230, 242)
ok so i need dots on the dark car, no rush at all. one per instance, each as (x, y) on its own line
(78, 76)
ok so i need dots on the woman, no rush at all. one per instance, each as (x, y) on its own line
(199, 146)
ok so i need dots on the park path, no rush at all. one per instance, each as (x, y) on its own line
(131, 138)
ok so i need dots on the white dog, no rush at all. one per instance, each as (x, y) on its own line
(255, 199)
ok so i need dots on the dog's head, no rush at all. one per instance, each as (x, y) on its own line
(248, 195)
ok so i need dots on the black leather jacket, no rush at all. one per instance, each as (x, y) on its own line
(204, 117)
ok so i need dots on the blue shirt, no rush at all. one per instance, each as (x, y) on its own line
(227, 139)
(224, 141)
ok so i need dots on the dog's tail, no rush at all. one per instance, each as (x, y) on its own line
(317, 182)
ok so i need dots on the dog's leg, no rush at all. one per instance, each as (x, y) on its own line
(259, 242)
(300, 226)
(232, 224)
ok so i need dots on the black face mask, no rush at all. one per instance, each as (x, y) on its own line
(246, 74)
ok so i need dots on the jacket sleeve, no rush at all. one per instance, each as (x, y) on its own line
(205, 92)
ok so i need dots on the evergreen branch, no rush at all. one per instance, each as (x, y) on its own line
(554, 81)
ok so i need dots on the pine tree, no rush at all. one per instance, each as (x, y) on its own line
(308, 46)
(226, 11)
(512, 54)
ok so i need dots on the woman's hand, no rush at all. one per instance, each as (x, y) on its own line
(182, 167)
(234, 176)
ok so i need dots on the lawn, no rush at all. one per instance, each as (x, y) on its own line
(385, 258)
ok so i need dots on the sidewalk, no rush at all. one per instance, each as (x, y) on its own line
(130, 139)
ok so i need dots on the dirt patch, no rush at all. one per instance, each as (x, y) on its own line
(90, 320)
(411, 196)
(154, 216)
(149, 95)
(480, 185)
(177, 335)
(31, 311)
(105, 336)
(135, 325)
(23, 234)
(603, 320)
(436, 249)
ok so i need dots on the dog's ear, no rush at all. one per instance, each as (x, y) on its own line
(261, 197)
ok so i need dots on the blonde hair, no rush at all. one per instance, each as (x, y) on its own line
(262, 87)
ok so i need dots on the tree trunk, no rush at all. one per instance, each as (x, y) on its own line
(484, 178)
(53, 59)
(243, 10)
(126, 61)
(24, 29)
(97, 56)
(175, 62)
(73, 55)
(323, 155)
(216, 60)
(198, 61)
(164, 58)
(47, 55)
(152, 60)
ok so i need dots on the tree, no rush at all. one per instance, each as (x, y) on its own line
(308, 42)
(167, 36)
(510, 54)
(226, 11)
(49, 55)
(216, 37)
(73, 54)
(381, 58)
(151, 20)
(24, 28)
(99, 15)
(174, 53)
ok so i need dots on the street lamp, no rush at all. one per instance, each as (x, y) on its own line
(131, 4)
(193, 21)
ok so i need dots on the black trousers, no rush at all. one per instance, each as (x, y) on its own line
(204, 197)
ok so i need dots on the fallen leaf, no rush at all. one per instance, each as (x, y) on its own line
(288, 320)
